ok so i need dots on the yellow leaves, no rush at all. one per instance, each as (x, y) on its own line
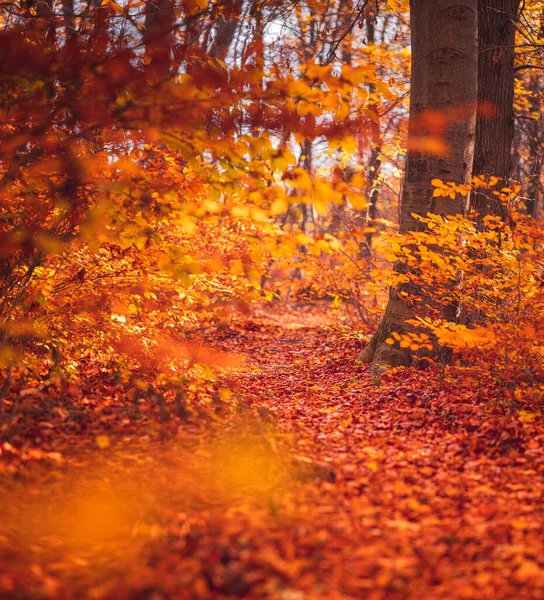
(258, 215)
(318, 72)
(328, 410)
(300, 179)
(319, 191)
(282, 159)
(240, 211)
(452, 335)
(116, 7)
(349, 145)
(298, 88)
(236, 267)
(262, 146)
(358, 201)
(484, 181)
(394, 337)
(165, 264)
(358, 181)
(225, 394)
(321, 204)
(358, 74)
(211, 206)
(384, 89)
(325, 193)
(449, 189)
(279, 206)
(306, 108)
(346, 423)
(460, 336)
(478, 181)
(395, 246)
(303, 239)
(526, 416)
(528, 570)
(102, 441)
(319, 246)
(343, 111)
(328, 244)
(411, 339)
(373, 115)
(334, 243)
(194, 6)
(439, 186)
(523, 101)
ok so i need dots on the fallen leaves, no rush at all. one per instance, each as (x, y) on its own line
(102, 441)
(309, 482)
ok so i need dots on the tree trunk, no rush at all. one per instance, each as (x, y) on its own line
(495, 124)
(43, 19)
(69, 18)
(225, 30)
(158, 38)
(443, 85)
(374, 162)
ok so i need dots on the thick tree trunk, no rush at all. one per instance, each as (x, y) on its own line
(495, 124)
(443, 85)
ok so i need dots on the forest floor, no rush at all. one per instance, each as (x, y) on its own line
(312, 482)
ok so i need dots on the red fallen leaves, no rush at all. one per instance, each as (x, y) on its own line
(437, 493)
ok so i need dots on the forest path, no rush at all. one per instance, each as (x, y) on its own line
(312, 483)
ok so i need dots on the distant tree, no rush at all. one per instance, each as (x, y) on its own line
(495, 123)
(158, 37)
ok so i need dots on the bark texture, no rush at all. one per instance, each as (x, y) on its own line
(495, 124)
(443, 87)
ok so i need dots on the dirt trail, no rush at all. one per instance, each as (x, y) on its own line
(313, 483)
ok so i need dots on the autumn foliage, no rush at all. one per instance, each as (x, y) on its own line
(198, 208)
